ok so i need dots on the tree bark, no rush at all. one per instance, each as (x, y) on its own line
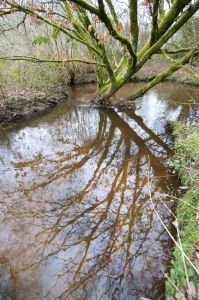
(161, 77)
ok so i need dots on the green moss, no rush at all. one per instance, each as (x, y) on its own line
(186, 163)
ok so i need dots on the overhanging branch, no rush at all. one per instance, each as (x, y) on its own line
(38, 60)
(161, 77)
(187, 69)
(176, 51)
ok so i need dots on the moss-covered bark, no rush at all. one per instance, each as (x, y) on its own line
(83, 17)
(161, 77)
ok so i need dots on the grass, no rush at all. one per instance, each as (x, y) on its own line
(183, 278)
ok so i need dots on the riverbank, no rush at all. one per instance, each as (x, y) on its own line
(153, 67)
(156, 66)
(17, 104)
(182, 281)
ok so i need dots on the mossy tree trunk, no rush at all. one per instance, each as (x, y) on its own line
(95, 25)
(162, 76)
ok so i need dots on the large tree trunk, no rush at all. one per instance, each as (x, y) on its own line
(105, 94)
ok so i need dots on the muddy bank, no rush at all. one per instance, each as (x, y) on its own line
(16, 104)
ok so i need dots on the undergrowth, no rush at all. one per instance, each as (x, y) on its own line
(183, 280)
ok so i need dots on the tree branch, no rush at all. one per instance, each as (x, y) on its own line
(187, 69)
(51, 23)
(107, 22)
(7, 12)
(77, 25)
(176, 51)
(134, 29)
(154, 31)
(176, 66)
(161, 10)
(112, 11)
(169, 19)
(38, 60)
(176, 8)
(185, 16)
(93, 9)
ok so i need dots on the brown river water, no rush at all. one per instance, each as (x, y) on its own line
(82, 191)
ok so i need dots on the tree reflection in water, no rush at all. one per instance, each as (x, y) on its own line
(77, 221)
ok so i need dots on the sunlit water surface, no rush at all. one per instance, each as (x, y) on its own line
(81, 193)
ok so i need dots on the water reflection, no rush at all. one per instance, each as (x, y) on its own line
(76, 217)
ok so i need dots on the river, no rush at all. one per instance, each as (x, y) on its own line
(84, 194)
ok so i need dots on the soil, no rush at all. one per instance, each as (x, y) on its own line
(16, 104)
